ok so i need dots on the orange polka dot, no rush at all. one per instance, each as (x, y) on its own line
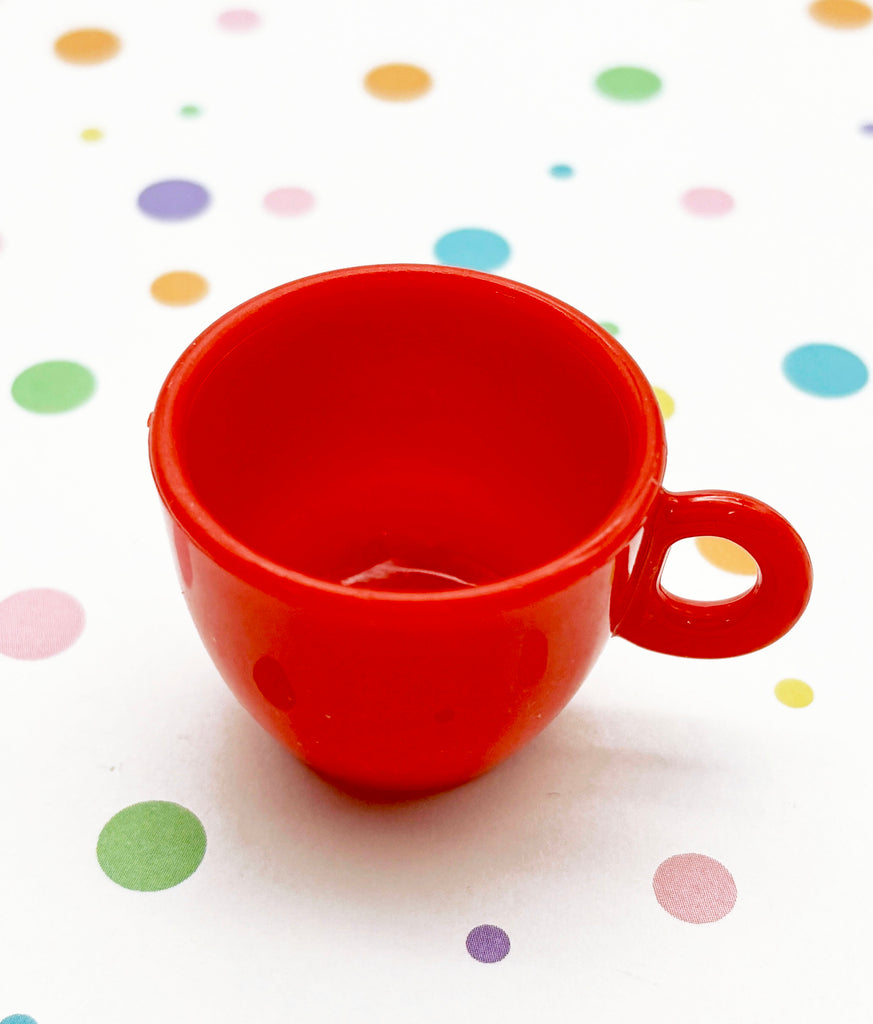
(841, 13)
(179, 288)
(397, 82)
(87, 46)
(724, 554)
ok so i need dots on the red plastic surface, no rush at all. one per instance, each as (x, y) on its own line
(404, 501)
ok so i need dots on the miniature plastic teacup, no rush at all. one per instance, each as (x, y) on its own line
(410, 504)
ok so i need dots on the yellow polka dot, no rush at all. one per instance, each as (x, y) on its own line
(841, 13)
(724, 554)
(397, 82)
(87, 46)
(793, 693)
(665, 401)
(92, 135)
(179, 288)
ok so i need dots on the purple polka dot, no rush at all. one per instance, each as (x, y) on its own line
(239, 20)
(707, 202)
(487, 943)
(173, 200)
(289, 202)
(39, 623)
(867, 129)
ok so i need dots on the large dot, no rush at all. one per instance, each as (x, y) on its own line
(289, 202)
(841, 13)
(828, 371)
(707, 202)
(561, 171)
(176, 199)
(724, 554)
(179, 288)
(695, 888)
(91, 135)
(39, 623)
(793, 693)
(475, 248)
(239, 20)
(18, 1018)
(629, 84)
(87, 46)
(151, 846)
(53, 386)
(666, 405)
(397, 82)
(487, 943)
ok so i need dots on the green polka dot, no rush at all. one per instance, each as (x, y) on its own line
(151, 846)
(628, 84)
(190, 110)
(55, 386)
(609, 327)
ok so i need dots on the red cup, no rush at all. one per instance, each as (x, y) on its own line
(411, 503)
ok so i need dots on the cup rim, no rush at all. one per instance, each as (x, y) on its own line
(229, 552)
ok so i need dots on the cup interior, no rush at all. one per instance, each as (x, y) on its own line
(409, 429)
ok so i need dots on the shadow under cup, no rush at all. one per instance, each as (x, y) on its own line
(409, 430)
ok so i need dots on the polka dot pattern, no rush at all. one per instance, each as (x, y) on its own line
(239, 20)
(176, 199)
(289, 202)
(151, 846)
(87, 46)
(488, 944)
(628, 84)
(695, 888)
(724, 554)
(39, 623)
(794, 693)
(474, 248)
(397, 83)
(53, 386)
(707, 202)
(842, 14)
(825, 370)
(179, 288)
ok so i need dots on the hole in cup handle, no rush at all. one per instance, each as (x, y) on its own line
(661, 621)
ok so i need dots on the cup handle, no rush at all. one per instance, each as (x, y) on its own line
(661, 621)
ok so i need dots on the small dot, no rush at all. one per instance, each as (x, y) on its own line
(724, 554)
(289, 202)
(475, 248)
(151, 846)
(841, 13)
(867, 129)
(707, 202)
(666, 403)
(397, 82)
(53, 386)
(695, 888)
(173, 200)
(39, 623)
(487, 943)
(609, 327)
(91, 135)
(179, 288)
(561, 171)
(793, 693)
(87, 46)
(827, 371)
(190, 110)
(628, 84)
(239, 20)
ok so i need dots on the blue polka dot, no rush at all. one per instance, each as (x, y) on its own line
(825, 370)
(18, 1018)
(561, 171)
(474, 248)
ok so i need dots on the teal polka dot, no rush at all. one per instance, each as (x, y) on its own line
(828, 371)
(18, 1018)
(561, 171)
(474, 248)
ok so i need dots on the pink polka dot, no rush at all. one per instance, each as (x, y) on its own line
(289, 202)
(707, 202)
(239, 20)
(695, 888)
(39, 623)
